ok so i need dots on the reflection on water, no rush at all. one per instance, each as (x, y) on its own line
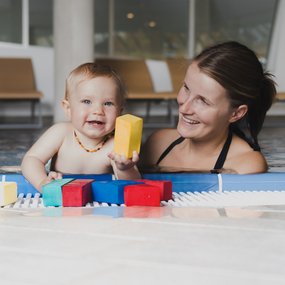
(264, 212)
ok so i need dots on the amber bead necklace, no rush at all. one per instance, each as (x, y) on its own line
(99, 146)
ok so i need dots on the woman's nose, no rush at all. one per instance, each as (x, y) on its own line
(185, 105)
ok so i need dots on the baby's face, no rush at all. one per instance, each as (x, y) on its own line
(94, 106)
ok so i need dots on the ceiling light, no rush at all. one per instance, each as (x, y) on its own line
(130, 15)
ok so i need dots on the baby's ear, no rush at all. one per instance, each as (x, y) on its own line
(66, 108)
(238, 113)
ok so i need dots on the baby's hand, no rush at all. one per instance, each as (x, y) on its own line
(51, 176)
(123, 163)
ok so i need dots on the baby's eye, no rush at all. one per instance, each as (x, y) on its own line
(86, 101)
(109, 103)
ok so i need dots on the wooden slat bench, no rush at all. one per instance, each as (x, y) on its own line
(139, 84)
(17, 84)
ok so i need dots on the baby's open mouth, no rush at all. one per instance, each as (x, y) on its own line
(95, 122)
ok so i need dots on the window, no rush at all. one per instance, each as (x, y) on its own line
(40, 22)
(101, 29)
(149, 28)
(11, 21)
(249, 22)
(156, 29)
(160, 28)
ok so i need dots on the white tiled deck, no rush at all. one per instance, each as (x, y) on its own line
(145, 245)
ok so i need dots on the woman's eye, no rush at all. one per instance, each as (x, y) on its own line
(185, 87)
(202, 100)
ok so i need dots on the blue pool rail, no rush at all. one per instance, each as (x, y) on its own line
(187, 182)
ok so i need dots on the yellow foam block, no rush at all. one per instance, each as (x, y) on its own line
(8, 193)
(128, 135)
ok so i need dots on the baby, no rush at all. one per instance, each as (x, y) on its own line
(94, 98)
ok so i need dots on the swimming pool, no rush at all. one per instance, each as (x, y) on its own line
(14, 143)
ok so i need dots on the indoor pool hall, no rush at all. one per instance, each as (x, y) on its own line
(212, 71)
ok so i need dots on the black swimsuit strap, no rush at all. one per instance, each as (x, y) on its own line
(170, 147)
(220, 161)
(223, 154)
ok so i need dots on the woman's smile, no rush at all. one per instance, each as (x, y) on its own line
(189, 121)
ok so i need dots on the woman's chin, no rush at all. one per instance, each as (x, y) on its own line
(186, 130)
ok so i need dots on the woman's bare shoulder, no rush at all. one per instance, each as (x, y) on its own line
(245, 160)
(156, 143)
(166, 135)
(251, 162)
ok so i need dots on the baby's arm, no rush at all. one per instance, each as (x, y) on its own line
(125, 168)
(33, 164)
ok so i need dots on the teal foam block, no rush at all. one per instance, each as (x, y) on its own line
(52, 193)
(111, 192)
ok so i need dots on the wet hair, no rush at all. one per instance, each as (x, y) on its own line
(90, 70)
(237, 68)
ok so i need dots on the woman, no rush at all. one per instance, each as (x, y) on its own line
(222, 107)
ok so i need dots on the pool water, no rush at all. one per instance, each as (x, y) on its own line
(14, 143)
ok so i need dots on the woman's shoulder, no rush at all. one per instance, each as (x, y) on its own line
(164, 135)
(246, 160)
(251, 162)
(155, 145)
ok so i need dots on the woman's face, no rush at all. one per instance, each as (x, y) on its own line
(204, 107)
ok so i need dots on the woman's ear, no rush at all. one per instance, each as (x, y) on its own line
(238, 113)
(66, 108)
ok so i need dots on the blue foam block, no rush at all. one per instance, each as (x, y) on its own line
(110, 191)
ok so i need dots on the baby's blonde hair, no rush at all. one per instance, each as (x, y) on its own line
(92, 70)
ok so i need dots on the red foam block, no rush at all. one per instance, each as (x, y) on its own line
(77, 193)
(165, 187)
(142, 195)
